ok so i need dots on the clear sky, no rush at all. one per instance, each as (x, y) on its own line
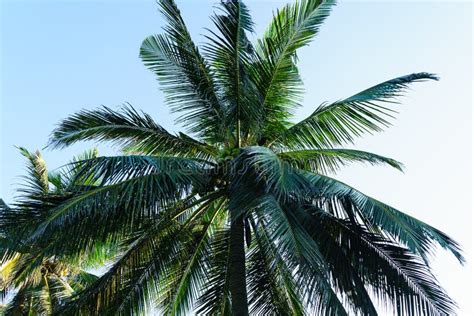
(58, 57)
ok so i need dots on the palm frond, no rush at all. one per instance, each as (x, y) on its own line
(29, 206)
(64, 179)
(407, 282)
(327, 161)
(230, 52)
(115, 169)
(417, 235)
(45, 300)
(262, 169)
(275, 71)
(133, 280)
(294, 244)
(134, 131)
(272, 289)
(60, 289)
(37, 178)
(189, 275)
(140, 196)
(40, 285)
(345, 279)
(215, 298)
(340, 122)
(82, 280)
(185, 76)
(133, 192)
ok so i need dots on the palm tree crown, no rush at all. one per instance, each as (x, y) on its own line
(239, 214)
(33, 280)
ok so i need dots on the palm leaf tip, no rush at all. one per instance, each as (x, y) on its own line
(340, 122)
(390, 89)
(447, 243)
(330, 160)
(37, 171)
(420, 76)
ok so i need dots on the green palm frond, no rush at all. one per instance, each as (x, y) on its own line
(407, 282)
(215, 299)
(326, 161)
(265, 295)
(141, 197)
(185, 76)
(272, 289)
(115, 169)
(230, 52)
(293, 243)
(135, 131)
(38, 173)
(128, 285)
(190, 272)
(343, 273)
(39, 285)
(82, 280)
(33, 270)
(289, 235)
(17, 220)
(415, 234)
(64, 179)
(262, 168)
(152, 183)
(400, 224)
(275, 71)
(340, 122)
(105, 213)
(45, 300)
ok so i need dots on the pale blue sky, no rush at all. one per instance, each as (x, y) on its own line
(60, 56)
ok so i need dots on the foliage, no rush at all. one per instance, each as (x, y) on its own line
(245, 189)
(32, 280)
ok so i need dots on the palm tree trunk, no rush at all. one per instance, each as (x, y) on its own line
(237, 281)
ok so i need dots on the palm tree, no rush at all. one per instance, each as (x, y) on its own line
(33, 282)
(240, 214)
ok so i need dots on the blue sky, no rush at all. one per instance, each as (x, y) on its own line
(58, 57)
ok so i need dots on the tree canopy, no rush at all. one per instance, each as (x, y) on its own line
(240, 212)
